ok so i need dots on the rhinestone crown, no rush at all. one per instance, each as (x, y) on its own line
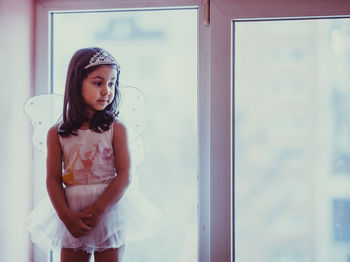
(102, 58)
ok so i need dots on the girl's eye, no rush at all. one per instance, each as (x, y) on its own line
(111, 84)
(97, 83)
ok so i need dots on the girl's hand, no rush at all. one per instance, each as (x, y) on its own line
(95, 217)
(74, 221)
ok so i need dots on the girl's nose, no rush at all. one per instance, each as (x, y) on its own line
(105, 90)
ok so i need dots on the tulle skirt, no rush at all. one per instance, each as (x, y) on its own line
(132, 218)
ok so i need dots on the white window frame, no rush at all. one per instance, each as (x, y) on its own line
(42, 72)
(224, 14)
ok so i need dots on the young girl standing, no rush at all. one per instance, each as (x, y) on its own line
(92, 213)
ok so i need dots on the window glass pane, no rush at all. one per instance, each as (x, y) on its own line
(157, 54)
(292, 140)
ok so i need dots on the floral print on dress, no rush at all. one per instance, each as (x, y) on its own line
(87, 163)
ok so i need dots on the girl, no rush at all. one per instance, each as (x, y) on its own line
(92, 213)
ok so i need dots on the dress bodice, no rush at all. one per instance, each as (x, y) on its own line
(88, 158)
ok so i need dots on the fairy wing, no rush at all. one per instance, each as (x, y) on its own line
(46, 110)
(43, 111)
(132, 114)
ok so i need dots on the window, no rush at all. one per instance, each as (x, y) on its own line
(183, 86)
(291, 140)
(157, 53)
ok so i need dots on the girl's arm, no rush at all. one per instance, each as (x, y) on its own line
(72, 220)
(119, 184)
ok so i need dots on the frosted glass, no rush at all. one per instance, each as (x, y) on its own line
(157, 51)
(292, 140)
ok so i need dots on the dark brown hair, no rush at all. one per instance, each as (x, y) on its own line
(74, 106)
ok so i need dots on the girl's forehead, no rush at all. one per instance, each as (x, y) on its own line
(104, 71)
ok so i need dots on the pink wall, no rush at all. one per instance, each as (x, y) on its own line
(16, 74)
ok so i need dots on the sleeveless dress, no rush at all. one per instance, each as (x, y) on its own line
(88, 169)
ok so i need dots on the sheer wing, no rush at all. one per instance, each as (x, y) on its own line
(132, 114)
(44, 111)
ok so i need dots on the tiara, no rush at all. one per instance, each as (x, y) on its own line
(102, 58)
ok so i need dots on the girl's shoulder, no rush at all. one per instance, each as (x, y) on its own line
(53, 131)
(118, 124)
(52, 141)
(119, 129)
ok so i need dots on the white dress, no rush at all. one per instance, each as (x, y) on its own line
(88, 169)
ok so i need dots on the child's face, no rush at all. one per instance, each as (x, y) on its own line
(98, 88)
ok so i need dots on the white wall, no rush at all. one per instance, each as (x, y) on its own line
(16, 67)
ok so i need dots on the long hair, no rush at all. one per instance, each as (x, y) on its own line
(74, 106)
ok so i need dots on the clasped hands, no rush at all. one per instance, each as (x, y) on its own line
(80, 223)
